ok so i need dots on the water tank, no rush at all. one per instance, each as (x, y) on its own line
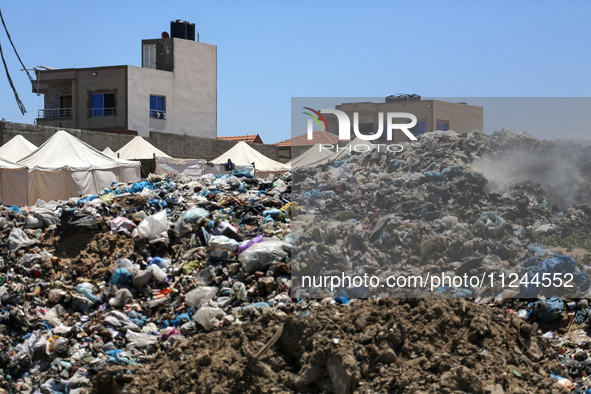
(190, 31)
(178, 29)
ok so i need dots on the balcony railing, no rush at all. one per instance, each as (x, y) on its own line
(100, 112)
(55, 113)
(157, 114)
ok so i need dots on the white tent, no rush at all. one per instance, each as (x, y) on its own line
(109, 152)
(65, 167)
(13, 183)
(313, 156)
(138, 149)
(16, 149)
(243, 154)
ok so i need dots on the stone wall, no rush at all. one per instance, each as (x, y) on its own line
(179, 146)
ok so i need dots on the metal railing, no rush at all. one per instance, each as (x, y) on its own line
(100, 112)
(54, 113)
(157, 114)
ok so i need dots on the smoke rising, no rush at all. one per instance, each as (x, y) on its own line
(564, 171)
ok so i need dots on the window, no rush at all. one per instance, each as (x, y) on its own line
(442, 125)
(157, 107)
(102, 104)
(419, 129)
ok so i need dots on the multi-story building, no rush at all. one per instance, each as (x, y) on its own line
(431, 115)
(175, 90)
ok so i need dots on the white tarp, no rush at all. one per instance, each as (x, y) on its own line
(190, 167)
(193, 167)
(313, 156)
(65, 167)
(16, 149)
(109, 152)
(13, 183)
(243, 154)
(138, 149)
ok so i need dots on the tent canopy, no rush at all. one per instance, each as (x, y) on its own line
(314, 155)
(16, 149)
(138, 149)
(242, 154)
(65, 167)
(109, 152)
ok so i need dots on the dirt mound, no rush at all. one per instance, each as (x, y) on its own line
(88, 254)
(394, 346)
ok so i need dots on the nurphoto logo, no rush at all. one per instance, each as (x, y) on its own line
(345, 124)
(344, 127)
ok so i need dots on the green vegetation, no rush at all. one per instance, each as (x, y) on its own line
(569, 242)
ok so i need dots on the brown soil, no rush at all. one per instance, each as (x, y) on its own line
(81, 254)
(387, 346)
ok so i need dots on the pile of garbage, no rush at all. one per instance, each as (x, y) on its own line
(194, 284)
(110, 279)
(429, 210)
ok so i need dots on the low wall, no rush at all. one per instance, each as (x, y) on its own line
(179, 146)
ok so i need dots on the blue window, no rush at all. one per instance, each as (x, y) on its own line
(157, 107)
(102, 104)
(420, 128)
(442, 125)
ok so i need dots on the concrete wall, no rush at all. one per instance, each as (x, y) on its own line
(191, 147)
(462, 118)
(190, 91)
(195, 85)
(184, 147)
(142, 83)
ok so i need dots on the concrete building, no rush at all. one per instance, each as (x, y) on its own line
(431, 115)
(175, 91)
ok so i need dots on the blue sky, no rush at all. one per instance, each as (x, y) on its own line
(269, 51)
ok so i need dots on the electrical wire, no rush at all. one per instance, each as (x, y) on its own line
(13, 47)
(20, 104)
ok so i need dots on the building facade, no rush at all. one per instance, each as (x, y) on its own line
(175, 91)
(431, 115)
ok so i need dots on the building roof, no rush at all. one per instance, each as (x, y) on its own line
(318, 137)
(252, 138)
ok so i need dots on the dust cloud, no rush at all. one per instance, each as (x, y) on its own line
(564, 171)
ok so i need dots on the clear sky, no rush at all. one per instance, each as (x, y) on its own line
(270, 51)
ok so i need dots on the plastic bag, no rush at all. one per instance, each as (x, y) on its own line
(154, 228)
(209, 317)
(222, 247)
(200, 295)
(122, 297)
(490, 224)
(121, 276)
(19, 239)
(122, 225)
(140, 340)
(262, 253)
(33, 222)
(157, 273)
(184, 223)
(141, 278)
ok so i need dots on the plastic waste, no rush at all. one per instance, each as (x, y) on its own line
(209, 317)
(122, 297)
(200, 295)
(154, 228)
(18, 239)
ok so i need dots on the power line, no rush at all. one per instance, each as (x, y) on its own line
(20, 104)
(13, 47)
